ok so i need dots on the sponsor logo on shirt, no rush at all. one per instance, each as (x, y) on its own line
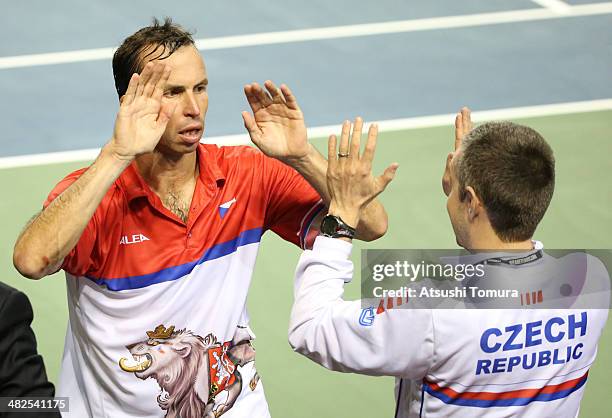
(366, 318)
(133, 239)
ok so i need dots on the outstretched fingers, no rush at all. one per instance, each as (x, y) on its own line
(458, 131)
(156, 74)
(145, 75)
(466, 115)
(370, 148)
(463, 126)
(343, 150)
(128, 97)
(252, 127)
(289, 97)
(149, 83)
(356, 139)
(274, 91)
(262, 96)
(252, 98)
(161, 83)
(386, 177)
(332, 158)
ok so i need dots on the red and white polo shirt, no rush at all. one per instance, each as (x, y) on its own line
(158, 307)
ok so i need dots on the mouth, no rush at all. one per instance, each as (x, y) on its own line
(138, 363)
(191, 134)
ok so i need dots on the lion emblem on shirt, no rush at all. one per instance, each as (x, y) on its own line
(198, 377)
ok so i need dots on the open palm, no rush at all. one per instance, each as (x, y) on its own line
(277, 124)
(142, 117)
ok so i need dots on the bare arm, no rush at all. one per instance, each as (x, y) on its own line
(277, 128)
(142, 118)
(44, 244)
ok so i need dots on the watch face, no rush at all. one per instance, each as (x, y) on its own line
(334, 226)
(329, 225)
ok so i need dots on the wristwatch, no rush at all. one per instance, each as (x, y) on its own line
(334, 227)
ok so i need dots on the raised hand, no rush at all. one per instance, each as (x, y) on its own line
(277, 125)
(350, 181)
(463, 126)
(142, 116)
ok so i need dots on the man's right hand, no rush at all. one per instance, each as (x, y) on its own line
(46, 241)
(143, 115)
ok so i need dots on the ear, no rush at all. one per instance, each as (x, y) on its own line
(183, 350)
(473, 204)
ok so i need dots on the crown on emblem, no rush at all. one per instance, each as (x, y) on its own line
(161, 332)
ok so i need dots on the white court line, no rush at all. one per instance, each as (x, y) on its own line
(557, 6)
(333, 32)
(324, 131)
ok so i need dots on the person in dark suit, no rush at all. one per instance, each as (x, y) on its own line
(22, 370)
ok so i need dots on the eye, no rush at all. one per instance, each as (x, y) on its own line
(201, 88)
(171, 93)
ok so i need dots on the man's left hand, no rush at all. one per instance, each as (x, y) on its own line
(463, 126)
(350, 181)
(277, 124)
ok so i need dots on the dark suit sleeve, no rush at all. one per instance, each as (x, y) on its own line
(22, 371)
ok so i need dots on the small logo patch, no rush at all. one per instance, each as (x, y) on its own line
(224, 207)
(366, 318)
(133, 239)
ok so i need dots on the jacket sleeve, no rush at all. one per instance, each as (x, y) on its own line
(331, 331)
(22, 371)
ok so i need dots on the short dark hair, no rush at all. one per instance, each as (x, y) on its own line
(162, 39)
(512, 170)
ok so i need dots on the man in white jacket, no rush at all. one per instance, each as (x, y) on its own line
(447, 362)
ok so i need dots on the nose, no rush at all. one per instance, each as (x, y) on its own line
(191, 106)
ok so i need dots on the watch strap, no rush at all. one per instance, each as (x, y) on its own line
(339, 229)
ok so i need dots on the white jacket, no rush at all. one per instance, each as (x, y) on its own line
(448, 362)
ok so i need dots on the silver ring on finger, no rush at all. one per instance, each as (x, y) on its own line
(342, 155)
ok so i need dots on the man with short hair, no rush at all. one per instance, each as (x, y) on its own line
(158, 239)
(447, 362)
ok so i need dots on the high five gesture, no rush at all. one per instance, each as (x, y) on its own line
(143, 115)
(277, 124)
(350, 181)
